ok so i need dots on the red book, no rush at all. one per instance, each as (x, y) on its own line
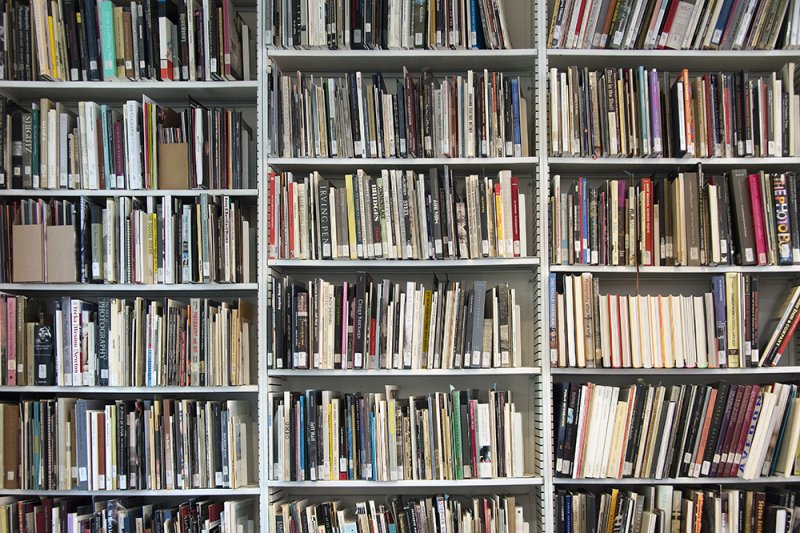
(515, 214)
(577, 465)
(709, 102)
(662, 40)
(733, 464)
(720, 466)
(647, 190)
(701, 448)
(758, 218)
(472, 413)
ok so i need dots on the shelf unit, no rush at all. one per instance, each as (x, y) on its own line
(520, 61)
(243, 95)
(651, 277)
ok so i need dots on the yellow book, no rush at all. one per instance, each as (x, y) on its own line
(612, 511)
(51, 34)
(732, 316)
(426, 328)
(332, 467)
(498, 217)
(351, 219)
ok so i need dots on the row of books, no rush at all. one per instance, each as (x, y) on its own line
(126, 515)
(644, 431)
(156, 240)
(136, 145)
(435, 514)
(689, 219)
(325, 435)
(674, 24)
(718, 329)
(98, 445)
(388, 24)
(92, 40)
(638, 112)
(475, 114)
(666, 508)
(399, 215)
(119, 342)
(374, 325)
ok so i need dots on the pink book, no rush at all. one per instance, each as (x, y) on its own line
(11, 340)
(758, 218)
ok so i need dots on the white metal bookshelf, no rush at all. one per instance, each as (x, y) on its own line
(238, 94)
(520, 61)
(669, 61)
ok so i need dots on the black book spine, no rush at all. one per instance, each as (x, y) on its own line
(71, 30)
(573, 412)
(694, 429)
(311, 435)
(714, 429)
(183, 32)
(89, 19)
(82, 44)
(43, 354)
(637, 413)
(122, 445)
(360, 318)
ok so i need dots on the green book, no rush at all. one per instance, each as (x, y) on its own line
(105, 13)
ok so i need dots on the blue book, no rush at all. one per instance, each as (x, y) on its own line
(515, 113)
(720, 319)
(644, 110)
(348, 435)
(722, 21)
(302, 434)
(105, 23)
(373, 445)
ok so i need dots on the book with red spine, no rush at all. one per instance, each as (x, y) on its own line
(272, 210)
(647, 190)
(515, 214)
(758, 218)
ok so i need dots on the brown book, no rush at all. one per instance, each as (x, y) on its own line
(127, 37)
(119, 41)
(692, 220)
(10, 446)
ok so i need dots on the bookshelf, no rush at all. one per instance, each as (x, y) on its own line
(531, 383)
(526, 382)
(243, 96)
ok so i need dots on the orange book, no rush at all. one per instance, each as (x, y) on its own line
(697, 460)
(687, 105)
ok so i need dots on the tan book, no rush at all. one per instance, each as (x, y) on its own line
(10, 473)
